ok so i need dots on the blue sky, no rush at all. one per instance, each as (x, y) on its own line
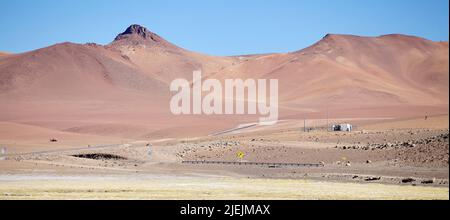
(217, 27)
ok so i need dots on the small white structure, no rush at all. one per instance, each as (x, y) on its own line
(346, 127)
(342, 127)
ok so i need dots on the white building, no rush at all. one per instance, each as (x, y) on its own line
(342, 127)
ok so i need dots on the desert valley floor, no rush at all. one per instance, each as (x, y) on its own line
(381, 159)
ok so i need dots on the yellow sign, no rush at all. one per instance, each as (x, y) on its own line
(240, 154)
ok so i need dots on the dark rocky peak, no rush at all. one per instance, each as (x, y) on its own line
(137, 31)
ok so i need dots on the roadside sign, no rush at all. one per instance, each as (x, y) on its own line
(240, 154)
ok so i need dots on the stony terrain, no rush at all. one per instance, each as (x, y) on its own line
(395, 156)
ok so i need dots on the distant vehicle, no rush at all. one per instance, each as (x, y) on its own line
(53, 140)
(342, 127)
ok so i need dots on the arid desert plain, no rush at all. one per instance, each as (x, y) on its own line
(373, 162)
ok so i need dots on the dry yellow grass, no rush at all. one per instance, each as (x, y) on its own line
(187, 188)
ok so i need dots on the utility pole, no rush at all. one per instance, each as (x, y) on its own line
(328, 115)
(304, 125)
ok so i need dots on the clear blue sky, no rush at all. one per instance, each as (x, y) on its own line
(218, 27)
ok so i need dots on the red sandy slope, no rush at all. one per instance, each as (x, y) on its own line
(122, 89)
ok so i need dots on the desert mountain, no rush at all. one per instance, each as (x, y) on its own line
(122, 88)
(3, 54)
(352, 72)
(161, 59)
